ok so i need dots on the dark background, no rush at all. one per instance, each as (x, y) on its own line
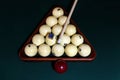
(99, 20)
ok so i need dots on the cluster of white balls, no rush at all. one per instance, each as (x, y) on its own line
(71, 43)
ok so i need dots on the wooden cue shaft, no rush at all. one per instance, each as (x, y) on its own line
(67, 21)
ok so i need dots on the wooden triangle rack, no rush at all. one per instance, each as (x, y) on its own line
(51, 57)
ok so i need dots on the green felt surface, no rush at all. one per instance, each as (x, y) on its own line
(99, 20)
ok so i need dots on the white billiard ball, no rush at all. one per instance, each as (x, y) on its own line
(65, 39)
(84, 50)
(38, 39)
(44, 50)
(57, 12)
(62, 20)
(30, 50)
(51, 21)
(58, 50)
(44, 30)
(50, 40)
(71, 50)
(56, 30)
(77, 39)
(70, 30)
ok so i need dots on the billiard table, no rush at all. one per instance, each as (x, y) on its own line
(97, 20)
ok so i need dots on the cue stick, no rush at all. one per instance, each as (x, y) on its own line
(67, 21)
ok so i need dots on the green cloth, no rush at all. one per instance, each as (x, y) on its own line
(99, 20)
